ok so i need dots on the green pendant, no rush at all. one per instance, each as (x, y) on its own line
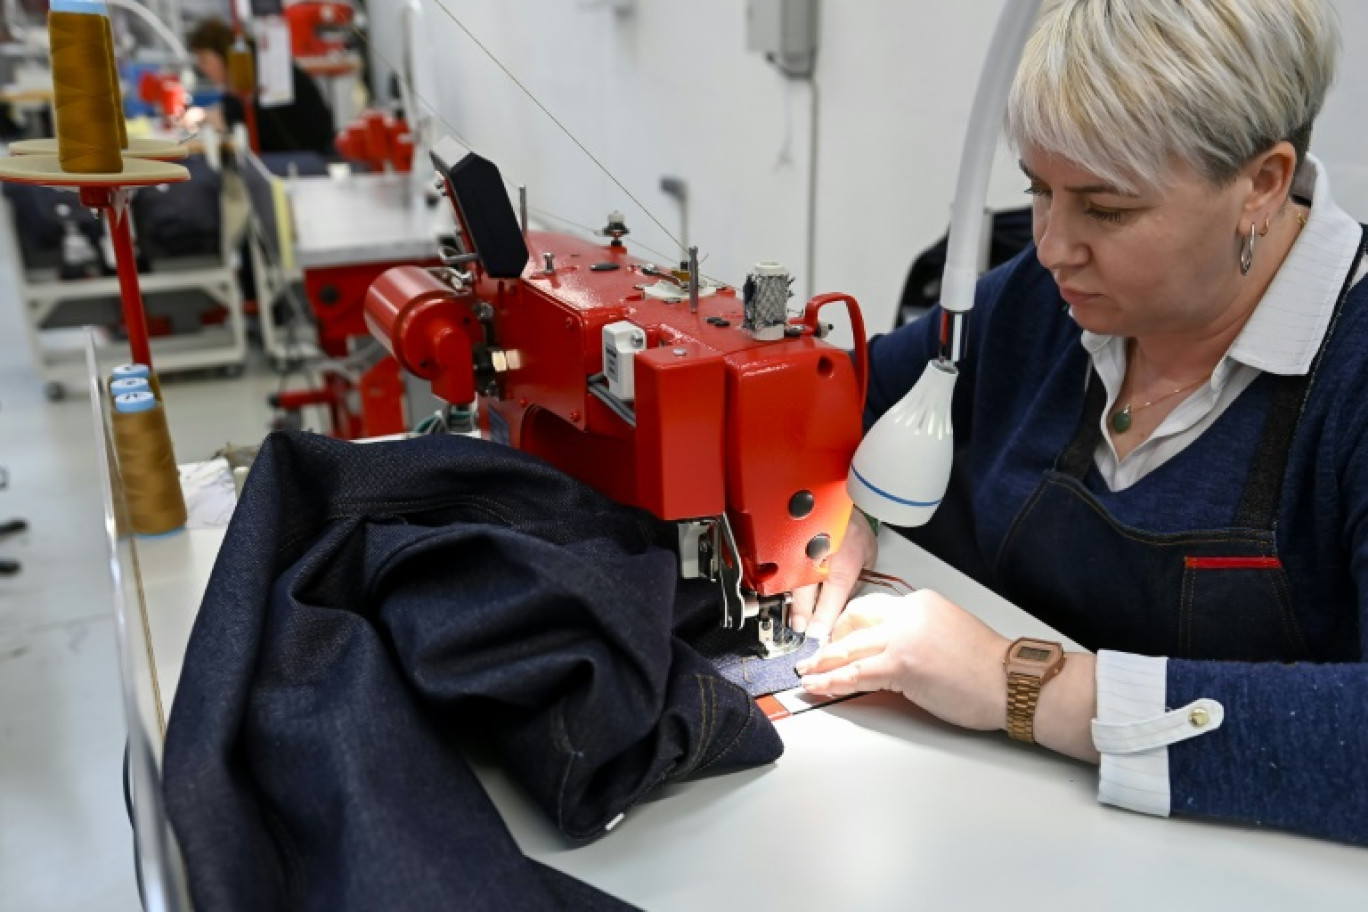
(1121, 421)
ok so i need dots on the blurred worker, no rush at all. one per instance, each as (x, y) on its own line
(304, 125)
(1160, 428)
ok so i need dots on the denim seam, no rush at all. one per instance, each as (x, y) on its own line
(736, 739)
(1255, 537)
(751, 716)
(493, 508)
(1185, 610)
(1017, 521)
(359, 508)
(562, 737)
(1283, 592)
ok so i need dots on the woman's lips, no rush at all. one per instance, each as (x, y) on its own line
(1076, 298)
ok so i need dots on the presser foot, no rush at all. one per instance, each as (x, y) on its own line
(773, 644)
(776, 636)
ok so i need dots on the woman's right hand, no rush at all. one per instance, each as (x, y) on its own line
(816, 607)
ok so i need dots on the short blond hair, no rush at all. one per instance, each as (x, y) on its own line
(1122, 88)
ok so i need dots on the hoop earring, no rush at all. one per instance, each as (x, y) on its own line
(1247, 251)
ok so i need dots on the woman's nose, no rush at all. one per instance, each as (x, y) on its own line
(1057, 245)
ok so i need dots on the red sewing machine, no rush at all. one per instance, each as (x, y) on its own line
(318, 28)
(164, 92)
(377, 140)
(706, 407)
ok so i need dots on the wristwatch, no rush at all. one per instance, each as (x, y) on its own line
(1029, 664)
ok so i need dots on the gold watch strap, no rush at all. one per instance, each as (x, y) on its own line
(1023, 693)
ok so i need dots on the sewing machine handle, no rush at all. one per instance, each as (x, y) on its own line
(809, 320)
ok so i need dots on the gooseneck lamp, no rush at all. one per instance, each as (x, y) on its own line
(902, 467)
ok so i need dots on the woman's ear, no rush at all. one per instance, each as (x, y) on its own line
(1270, 175)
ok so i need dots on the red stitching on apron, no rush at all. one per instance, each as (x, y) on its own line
(1232, 563)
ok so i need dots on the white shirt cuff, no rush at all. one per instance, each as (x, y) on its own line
(1132, 731)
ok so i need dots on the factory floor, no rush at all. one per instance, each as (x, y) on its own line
(64, 837)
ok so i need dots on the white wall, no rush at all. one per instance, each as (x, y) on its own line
(1341, 135)
(669, 88)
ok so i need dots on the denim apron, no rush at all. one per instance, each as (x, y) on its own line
(1215, 594)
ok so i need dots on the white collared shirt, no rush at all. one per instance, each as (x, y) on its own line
(1282, 336)
(1132, 731)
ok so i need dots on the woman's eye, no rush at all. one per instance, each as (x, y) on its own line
(1037, 190)
(1105, 215)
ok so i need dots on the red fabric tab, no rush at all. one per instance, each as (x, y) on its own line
(772, 708)
(1233, 563)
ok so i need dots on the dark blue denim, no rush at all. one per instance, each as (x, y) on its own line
(736, 658)
(377, 608)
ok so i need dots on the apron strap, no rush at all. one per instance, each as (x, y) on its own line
(1263, 487)
(1078, 455)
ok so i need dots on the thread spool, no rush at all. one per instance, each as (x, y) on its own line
(241, 69)
(124, 371)
(114, 86)
(83, 98)
(128, 385)
(147, 464)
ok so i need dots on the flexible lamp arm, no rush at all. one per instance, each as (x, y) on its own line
(967, 222)
(902, 468)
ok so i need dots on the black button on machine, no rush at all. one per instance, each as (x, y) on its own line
(819, 547)
(801, 504)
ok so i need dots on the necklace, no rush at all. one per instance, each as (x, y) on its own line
(1120, 420)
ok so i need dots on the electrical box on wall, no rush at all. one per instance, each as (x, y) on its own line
(785, 31)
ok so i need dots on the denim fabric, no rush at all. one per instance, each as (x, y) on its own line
(734, 654)
(373, 608)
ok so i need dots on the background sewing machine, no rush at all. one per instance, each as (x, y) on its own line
(705, 406)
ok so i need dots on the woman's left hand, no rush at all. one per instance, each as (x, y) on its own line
(923, 646)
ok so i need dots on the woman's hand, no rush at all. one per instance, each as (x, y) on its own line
(923, 646)
(194, 117)
(816, 607)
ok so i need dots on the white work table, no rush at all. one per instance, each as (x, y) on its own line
(320, 222)
(361, 218)
(876, 805)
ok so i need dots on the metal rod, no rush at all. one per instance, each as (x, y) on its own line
(693, 280)
(522, 207)
(126, 263)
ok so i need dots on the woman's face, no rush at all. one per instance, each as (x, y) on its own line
(212, 65)
(1158, 263)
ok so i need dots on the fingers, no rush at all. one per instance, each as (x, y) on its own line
(836, 655)
(858, 657)
(842, 577)
(800, 610)
(860, 676)
(866, 611)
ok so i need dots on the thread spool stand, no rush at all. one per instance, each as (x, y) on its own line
(163, 150)
(91, 136)
(109, 194)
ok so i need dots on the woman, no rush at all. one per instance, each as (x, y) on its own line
(1161, 436)
(303, 125)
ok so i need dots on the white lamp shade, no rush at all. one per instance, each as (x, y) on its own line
(902, 467)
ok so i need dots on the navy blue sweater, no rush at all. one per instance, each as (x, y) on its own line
(1293, 751)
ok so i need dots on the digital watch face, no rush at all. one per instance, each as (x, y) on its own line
(1033, 654)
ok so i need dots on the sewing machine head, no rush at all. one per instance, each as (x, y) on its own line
(708, 407)
(320, 28)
